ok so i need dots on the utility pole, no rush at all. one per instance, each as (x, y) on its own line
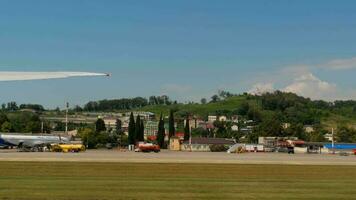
(190, 137)
(67, 107)
(42, 127)
(332, 140)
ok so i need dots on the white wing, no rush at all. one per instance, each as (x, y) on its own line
(23, 76)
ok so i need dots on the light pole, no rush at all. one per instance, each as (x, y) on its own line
(67, 107)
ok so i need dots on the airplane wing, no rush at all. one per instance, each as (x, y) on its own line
(23, 76)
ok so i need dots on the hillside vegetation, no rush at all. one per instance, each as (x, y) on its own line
(289, 107)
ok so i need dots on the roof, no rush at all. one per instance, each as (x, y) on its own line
(341, 146)
(202, 140)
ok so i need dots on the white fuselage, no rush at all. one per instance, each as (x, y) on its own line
(30, 140)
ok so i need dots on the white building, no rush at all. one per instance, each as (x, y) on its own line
(222, 118)
(212, 118)
(235, 128)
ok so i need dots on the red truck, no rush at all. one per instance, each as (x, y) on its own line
(147, 147)
(354, 151)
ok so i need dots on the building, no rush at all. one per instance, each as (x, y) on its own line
(272, 143)
(151, 128)
(212, 118)
(147, 116)
(309, 128)
(235, 127)
(340, 147)
(285, 125)
(193, 123)
(204, 144)
(222, 118)
(175, 144)
(235, 118)
(110, 122)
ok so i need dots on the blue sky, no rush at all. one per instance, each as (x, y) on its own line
(187, 49)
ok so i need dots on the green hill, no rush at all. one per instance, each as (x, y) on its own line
(291, 108)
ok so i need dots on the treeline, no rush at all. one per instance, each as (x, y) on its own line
(12, 106)
(23, 122)
(125, 103)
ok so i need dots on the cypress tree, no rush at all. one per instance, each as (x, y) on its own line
(138, 129)
(142, 132)
(118, 126)
(172, 130)
(132, 136)
(100, 125)
(187, 130)
(161, 132)
(118, 130)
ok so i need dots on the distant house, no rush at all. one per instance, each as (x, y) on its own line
(309, 128)
(235, 118)
(151, 128)
(222, 118)
(212, 118)
(235, 128)
(194, 123)
(143, 115)
(285, 125)
(329, 137)
(110, 122)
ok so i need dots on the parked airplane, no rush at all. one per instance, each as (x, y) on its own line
(36, 142)
(30, 142)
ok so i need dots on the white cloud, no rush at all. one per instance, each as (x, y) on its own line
(302, 79)
(261, 88)
(340, 64)
(309, 85)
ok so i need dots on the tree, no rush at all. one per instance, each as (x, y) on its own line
(203, 101)
(6, 127)
(200, 132)
(118, 130)
(172, 130)
(215, 99)
(187, 130)
(100, 125)
(315, 136)
(118, 126)
(254, 114)
(345, 134)
(296, 130)
(138, 138)
(142, 132)
(132, 132)
(89, 137)
(271, 126)
(244, 108)
(3, 118)
(161, 132)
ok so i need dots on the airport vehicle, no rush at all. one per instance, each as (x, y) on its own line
(147, 147)
(30, 142)
(74, 148)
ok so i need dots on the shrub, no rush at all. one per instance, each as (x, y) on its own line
(218, 148)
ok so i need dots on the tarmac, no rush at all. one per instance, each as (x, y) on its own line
(179, 157)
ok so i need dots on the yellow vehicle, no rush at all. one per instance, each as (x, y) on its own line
(74, 148)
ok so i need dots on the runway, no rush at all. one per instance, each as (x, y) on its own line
(179, 157)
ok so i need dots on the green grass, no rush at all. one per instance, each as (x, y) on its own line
(89, 181)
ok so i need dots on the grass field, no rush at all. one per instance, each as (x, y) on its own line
(89, 181)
